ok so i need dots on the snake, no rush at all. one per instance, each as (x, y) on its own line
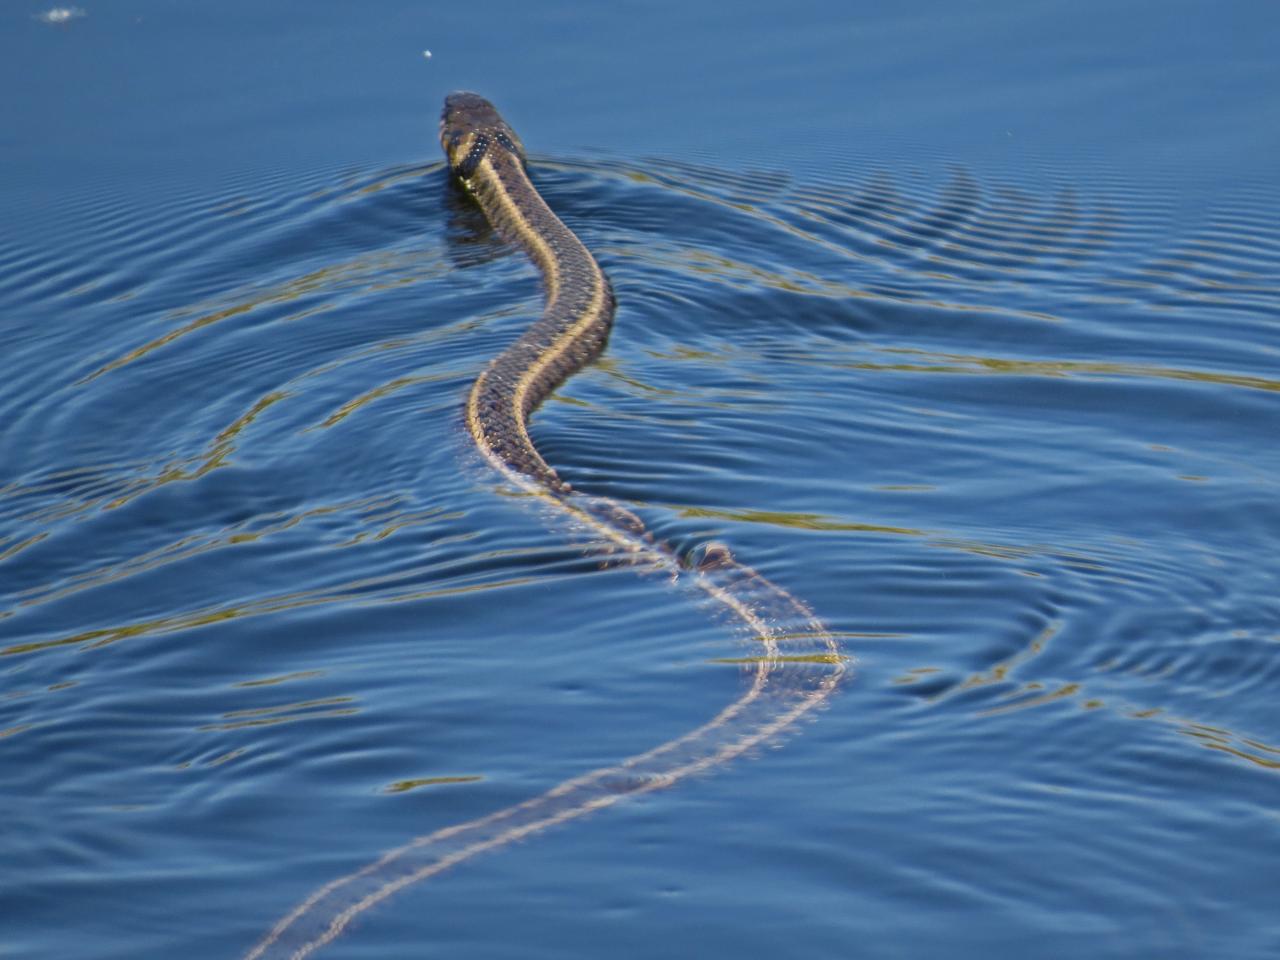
(794, 664)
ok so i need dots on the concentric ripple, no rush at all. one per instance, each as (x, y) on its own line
(264, 614)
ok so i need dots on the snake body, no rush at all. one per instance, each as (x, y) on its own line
(796, 664)
(487, 158)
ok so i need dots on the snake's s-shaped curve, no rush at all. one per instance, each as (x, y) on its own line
(797, 663)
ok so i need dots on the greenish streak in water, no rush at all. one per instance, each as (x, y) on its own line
(959, 323)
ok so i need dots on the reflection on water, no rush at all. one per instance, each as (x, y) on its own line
(264, 614)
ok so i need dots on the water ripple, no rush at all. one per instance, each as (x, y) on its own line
(1011, 435)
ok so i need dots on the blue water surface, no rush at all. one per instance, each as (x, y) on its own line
(959, 322)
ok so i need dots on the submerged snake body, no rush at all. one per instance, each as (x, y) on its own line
(796, 664)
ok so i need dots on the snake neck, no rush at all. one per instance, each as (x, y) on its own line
(571, 332)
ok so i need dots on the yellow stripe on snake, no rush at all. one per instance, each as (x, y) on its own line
(795, 664)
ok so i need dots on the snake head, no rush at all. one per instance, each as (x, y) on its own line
(470, 129)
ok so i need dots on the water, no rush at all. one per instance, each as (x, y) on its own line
(960, 325)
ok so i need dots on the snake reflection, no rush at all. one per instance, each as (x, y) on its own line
(796, 663)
